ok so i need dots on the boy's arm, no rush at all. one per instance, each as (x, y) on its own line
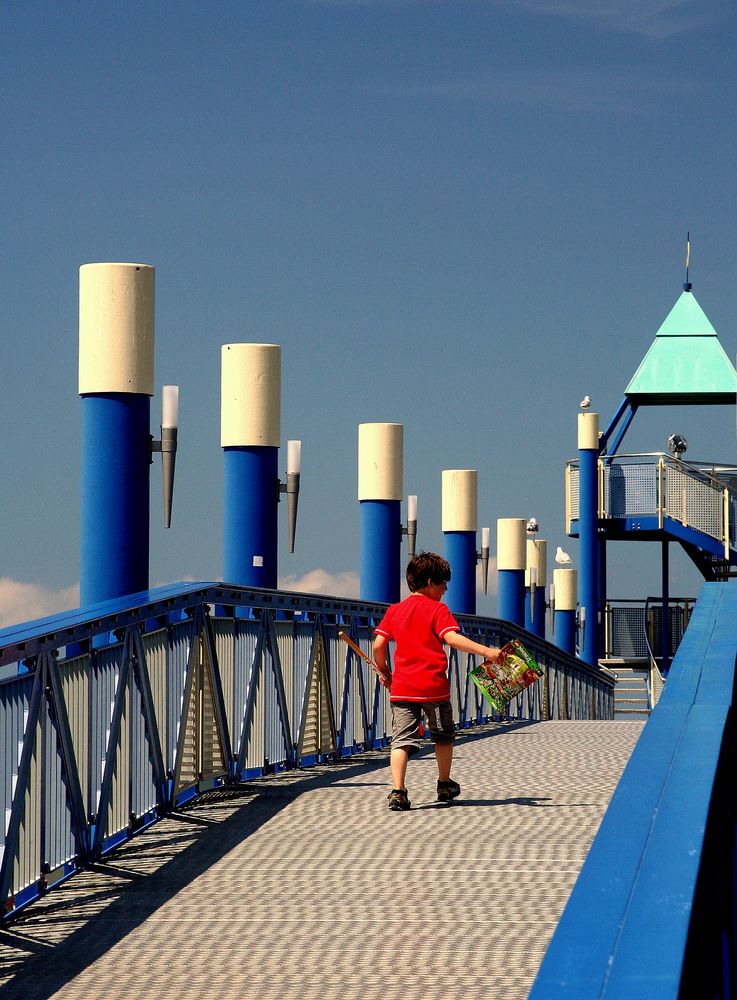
(465, 645)
(379, 650)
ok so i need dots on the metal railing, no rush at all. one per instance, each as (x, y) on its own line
(632, 631)
(113, 715)
(660, 875)
(655, 486)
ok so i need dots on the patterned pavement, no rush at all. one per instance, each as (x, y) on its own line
(305, 885)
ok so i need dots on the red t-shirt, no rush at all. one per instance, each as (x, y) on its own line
(417, 625)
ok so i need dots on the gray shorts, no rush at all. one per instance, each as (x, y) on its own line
(406, 717)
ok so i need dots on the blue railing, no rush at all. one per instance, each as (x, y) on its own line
(113, 715)
(652, 914)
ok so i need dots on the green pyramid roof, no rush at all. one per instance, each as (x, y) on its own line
(686, 363)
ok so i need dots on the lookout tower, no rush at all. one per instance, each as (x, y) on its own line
(658, 496)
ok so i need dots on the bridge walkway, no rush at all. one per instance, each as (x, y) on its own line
(304, 885)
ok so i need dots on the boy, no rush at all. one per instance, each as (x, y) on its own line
(419, 625)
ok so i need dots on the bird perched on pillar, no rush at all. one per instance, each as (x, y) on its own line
(585, 403)
(562, 558)
(532, 526)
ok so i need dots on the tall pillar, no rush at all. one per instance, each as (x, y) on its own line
(510, 561)
(535, 585)
(588, 527)
(380, 473)
(250, 419)
(116, 382)
(564, 629)
(459, 524)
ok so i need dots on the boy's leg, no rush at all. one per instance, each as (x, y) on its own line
(444, 757)
(405, 741)
(398, 764)
(442, 731)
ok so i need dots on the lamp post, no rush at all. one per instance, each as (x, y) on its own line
(168, 444)
(411, 530)
(535, 582)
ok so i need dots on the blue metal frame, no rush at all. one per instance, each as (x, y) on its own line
(652, 914)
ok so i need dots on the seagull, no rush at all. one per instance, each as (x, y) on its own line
(585, 403)
(532, 526)
(562, 558)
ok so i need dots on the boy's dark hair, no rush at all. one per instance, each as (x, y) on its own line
(427, 567)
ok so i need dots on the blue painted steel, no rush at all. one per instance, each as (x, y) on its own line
(381, 540)
(661, 868)
(623, 406)
(588, 523)
(535, 623)
(460, 551)
(114, 501)
(250, 523)
(565, 631)
(512, 595)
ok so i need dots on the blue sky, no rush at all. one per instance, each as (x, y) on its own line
(461, 216)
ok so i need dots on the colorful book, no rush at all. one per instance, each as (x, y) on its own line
(499, 683)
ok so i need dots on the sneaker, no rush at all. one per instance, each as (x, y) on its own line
(398, 800)
(448, 790)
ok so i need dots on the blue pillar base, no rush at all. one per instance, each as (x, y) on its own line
(250, 522)
(460, 551)
(114, 500)
(381, 538)
(512, 595)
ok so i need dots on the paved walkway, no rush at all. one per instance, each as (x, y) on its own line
(304, 885)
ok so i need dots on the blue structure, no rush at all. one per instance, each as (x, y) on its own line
(459, 523)
(588, 451)
(250, 427)
(564, 614)
(116, 381)
(661, 497)
(114, 500)
(250, 524)
(652, 915)
(380, 475)
(511, 557)
(381, 539)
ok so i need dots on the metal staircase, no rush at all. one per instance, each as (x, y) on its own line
(631, 697)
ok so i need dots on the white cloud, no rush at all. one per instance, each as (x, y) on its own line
(584, 90)
(656, 19)
(22, 602)
(319, 581)
(348, 584)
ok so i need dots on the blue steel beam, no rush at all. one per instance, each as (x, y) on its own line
(642, 875)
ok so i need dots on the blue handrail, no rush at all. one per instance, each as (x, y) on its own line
(652, 914)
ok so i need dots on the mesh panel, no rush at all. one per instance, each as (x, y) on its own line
(627, 631)
(630, 490)
(694, 503)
